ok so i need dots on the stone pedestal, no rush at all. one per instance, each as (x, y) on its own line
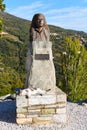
(42, 73)
(49, 108)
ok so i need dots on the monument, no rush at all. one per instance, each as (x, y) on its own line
(51, 106)
(39, 56)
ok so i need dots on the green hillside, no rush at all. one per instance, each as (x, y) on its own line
(13, 48)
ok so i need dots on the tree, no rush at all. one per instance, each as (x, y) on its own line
(2, 8)
(9, 81)
(74, 70)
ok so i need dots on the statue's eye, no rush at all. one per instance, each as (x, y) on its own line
(40, 20)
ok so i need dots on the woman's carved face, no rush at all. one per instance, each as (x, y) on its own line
(40, 21)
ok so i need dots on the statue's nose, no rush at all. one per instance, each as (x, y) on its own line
(41, 21)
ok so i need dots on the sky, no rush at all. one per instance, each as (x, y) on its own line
(68, 14)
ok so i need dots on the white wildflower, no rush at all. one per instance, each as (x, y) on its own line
(64, 53)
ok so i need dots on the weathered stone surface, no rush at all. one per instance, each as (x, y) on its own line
(61, 110)
(21, 101)
(21, 115)
(42, 120)
(46, 115)
(61, 96)
(34, 112)
(49, 108)
(21, 110)
(48, 111)
(24, 120)
(42, 73)
(31, 116)
(40, 100)
(59, 91)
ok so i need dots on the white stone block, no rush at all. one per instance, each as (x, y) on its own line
(21, 101)
(31, 116)
(23, 120)
(21, 115)
(21, 110)
(40, 100)
(61, 110)
(61, 98)
(34, 112)
(42, 120)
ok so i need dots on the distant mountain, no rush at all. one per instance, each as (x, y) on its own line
(13, 26)
(14, 45)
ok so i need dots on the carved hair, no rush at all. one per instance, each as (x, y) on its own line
(34, 26)
(34, 19)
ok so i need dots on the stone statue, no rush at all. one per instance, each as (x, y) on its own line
(40, 81)
(40, 67)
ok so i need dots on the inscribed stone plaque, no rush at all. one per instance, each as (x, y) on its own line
(41, 56)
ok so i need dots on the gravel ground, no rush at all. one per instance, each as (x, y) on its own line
(76, 118)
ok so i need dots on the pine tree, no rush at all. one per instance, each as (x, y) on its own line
(74, 70)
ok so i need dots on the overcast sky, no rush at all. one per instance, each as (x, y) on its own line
(68, 14)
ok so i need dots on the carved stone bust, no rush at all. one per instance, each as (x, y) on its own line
(39, 30)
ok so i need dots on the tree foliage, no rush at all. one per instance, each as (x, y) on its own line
(2, 8)
(9, 79)
(74, 70)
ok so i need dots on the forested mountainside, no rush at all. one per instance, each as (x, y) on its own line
(13, 49)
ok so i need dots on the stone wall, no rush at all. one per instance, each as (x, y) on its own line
(49, 108)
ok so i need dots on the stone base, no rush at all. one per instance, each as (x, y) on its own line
(49, 108)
